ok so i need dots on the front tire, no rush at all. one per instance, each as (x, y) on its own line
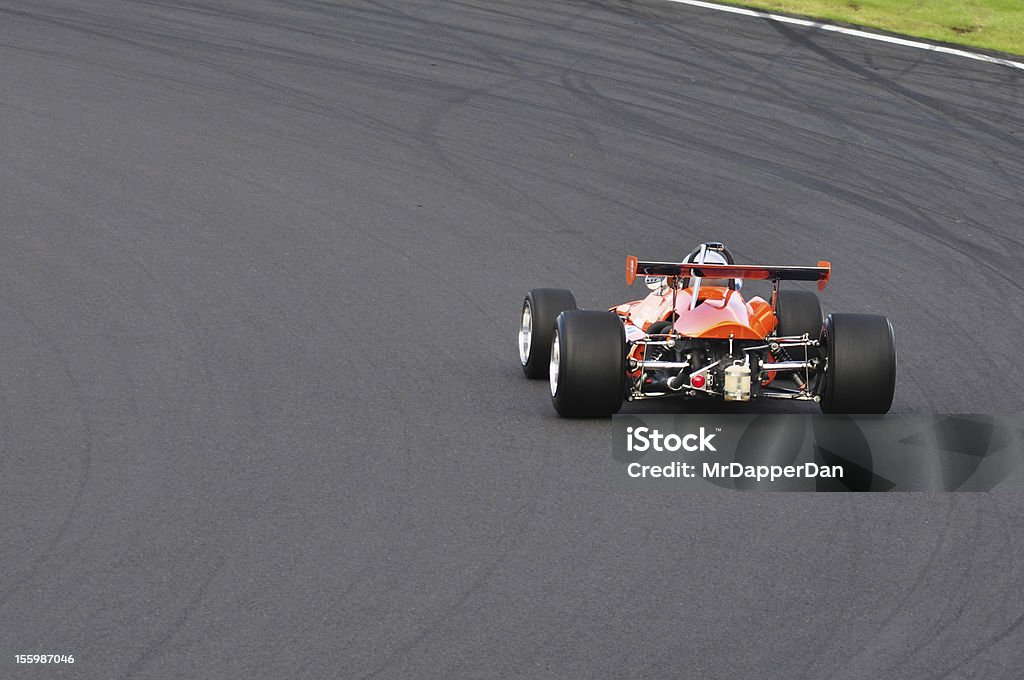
(537, 325)
(798, 312)
(588, 364)
(860, 374)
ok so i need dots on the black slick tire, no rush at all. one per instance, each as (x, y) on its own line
(588, 357)
(798, 312)
(860, 376)
(537, 325)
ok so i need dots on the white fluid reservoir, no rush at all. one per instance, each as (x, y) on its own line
(737, 383)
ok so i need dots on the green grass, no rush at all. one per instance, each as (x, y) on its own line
(985, 24)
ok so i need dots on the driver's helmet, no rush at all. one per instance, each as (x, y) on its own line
(714, 253)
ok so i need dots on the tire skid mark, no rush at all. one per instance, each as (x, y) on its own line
(922, 225)
(137, 665)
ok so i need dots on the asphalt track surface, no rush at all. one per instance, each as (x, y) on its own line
(260, 273)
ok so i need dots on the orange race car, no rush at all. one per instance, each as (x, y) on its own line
(695, 336)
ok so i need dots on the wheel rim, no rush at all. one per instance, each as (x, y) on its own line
(553, 366)
(525, 334)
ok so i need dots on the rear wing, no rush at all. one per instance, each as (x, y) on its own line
(820, 273)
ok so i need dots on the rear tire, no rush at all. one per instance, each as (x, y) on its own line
(860, 376)
(537, 326)
(798, 312)
(588, 364)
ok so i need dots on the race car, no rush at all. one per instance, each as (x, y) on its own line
(696, 337)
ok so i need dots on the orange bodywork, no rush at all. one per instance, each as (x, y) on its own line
(720, 313)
